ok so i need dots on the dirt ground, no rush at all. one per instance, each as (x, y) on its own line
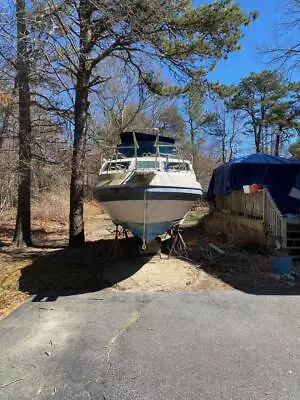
(50, 269)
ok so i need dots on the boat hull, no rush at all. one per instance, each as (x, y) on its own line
(147, 211)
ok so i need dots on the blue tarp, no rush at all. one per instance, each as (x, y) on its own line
(277, 173)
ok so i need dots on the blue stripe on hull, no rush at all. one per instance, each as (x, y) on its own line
(137, 192)
(152, 230)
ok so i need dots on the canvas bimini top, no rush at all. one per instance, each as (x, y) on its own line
(146, 144)
(278, 173)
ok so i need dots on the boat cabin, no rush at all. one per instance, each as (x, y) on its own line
(146, 152)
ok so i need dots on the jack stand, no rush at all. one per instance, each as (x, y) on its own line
(115, 250)
(179, 247)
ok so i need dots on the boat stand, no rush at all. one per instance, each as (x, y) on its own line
(179, 247)
(115, 250)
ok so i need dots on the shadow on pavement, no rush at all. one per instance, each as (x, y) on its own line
(70, 271)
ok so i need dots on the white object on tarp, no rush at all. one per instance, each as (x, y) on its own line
(246, 189)
(254, 188)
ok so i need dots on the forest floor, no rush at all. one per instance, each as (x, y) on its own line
(51, 269)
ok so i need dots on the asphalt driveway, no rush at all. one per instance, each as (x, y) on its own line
(209, 345)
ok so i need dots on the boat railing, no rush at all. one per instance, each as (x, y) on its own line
(275, 222)
(160, 152)
(176, 153)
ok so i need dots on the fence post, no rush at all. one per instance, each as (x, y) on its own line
(264, 204)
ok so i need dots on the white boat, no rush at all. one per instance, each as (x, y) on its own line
(147, 188)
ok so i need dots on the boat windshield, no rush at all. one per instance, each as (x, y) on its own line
(177, 166)
(147, 164)
(117, 166)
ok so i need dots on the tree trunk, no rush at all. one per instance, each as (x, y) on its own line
(192, 137)
(223, 145)
(231, 149)
(76, 234)
(76, 238)
(223, 141)
(232, 136)
(277, 142)
(22, 234)
(257, 134)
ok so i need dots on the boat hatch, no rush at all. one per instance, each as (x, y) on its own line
(177, 166)
(117, 166)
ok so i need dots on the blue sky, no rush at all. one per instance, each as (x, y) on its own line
(260, 33)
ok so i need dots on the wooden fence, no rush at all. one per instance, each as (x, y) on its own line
(246, 204)
(259, 205)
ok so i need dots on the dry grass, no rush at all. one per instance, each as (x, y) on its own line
(52, 207)
(8, 216)
(49, 226)
(10, 295)
(242, 266)
(50, 236)
(234, 232)
(193, 217)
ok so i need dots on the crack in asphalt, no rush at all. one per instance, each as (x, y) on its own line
(134, 316)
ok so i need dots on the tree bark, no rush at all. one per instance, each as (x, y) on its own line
(22, 234)
(277, 142)
(257, 130)
(223, 145)
(223, 141)
(258, 140)
(76, 238)
(76, 233)
(192, 137)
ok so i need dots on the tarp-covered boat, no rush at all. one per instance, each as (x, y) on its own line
(279, 174)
